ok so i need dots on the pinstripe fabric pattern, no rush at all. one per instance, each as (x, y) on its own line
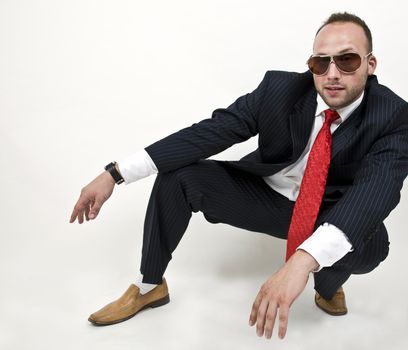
(368, 166)
(222, 193)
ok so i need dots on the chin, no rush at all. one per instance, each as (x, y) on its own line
(334, 103)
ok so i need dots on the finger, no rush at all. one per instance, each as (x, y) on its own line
(260, 318)
(80, 205)
(74, 213)
(73, 216)
(81, 216)
(283, 320)
(270, 319)
(254, 310)
(87, 209)
(96, 207)
(80, 208)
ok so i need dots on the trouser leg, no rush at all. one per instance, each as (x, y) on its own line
(231, 196)
(222, 193)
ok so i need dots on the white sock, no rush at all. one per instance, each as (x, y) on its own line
(144, 287)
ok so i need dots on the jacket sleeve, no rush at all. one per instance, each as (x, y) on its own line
(226, 127)
(376, 188)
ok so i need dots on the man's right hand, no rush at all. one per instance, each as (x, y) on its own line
(92, 198)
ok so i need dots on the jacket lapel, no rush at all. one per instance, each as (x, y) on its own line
(301, 122)
(344, 133)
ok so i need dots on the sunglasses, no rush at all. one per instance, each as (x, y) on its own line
(346, 62)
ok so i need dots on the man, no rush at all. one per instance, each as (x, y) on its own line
(332, 157)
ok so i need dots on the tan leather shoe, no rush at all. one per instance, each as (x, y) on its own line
(129, 304)
(336, 306)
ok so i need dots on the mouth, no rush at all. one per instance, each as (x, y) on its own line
(333, 90)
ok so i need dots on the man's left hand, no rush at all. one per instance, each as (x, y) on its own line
(279, 292)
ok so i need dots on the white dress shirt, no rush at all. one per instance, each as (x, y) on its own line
(328, 243)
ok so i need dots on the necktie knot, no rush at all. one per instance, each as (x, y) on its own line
(330, 115)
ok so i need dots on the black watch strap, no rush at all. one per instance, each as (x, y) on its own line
(115, 174)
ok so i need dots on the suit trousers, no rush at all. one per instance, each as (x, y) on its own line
(224, 195)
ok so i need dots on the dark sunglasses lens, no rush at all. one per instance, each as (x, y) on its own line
(318, 65)
(349, 62)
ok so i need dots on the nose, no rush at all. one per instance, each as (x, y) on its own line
(333, 72)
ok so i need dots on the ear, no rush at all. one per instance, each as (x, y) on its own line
(372, 64)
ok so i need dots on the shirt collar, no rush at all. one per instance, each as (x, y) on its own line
(344, 112)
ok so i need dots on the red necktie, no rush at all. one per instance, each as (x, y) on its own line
(312, 188)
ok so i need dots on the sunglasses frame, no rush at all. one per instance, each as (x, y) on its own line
(332, 60)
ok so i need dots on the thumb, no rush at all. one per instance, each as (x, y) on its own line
(96, 207)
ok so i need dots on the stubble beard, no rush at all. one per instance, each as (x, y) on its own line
(351, 94)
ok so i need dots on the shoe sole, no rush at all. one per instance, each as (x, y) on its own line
(340, 313)
(154, 304)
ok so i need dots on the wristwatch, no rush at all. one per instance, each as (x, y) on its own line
(115, 174)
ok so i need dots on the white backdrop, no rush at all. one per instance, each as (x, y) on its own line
(86, 82)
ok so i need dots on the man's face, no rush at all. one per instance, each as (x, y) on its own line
(339, 89)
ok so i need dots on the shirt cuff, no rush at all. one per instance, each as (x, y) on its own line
(136, 167)
(328, 244)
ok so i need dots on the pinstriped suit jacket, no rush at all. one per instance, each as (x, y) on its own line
(369, 150)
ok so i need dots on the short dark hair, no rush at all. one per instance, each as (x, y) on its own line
(349, 17)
